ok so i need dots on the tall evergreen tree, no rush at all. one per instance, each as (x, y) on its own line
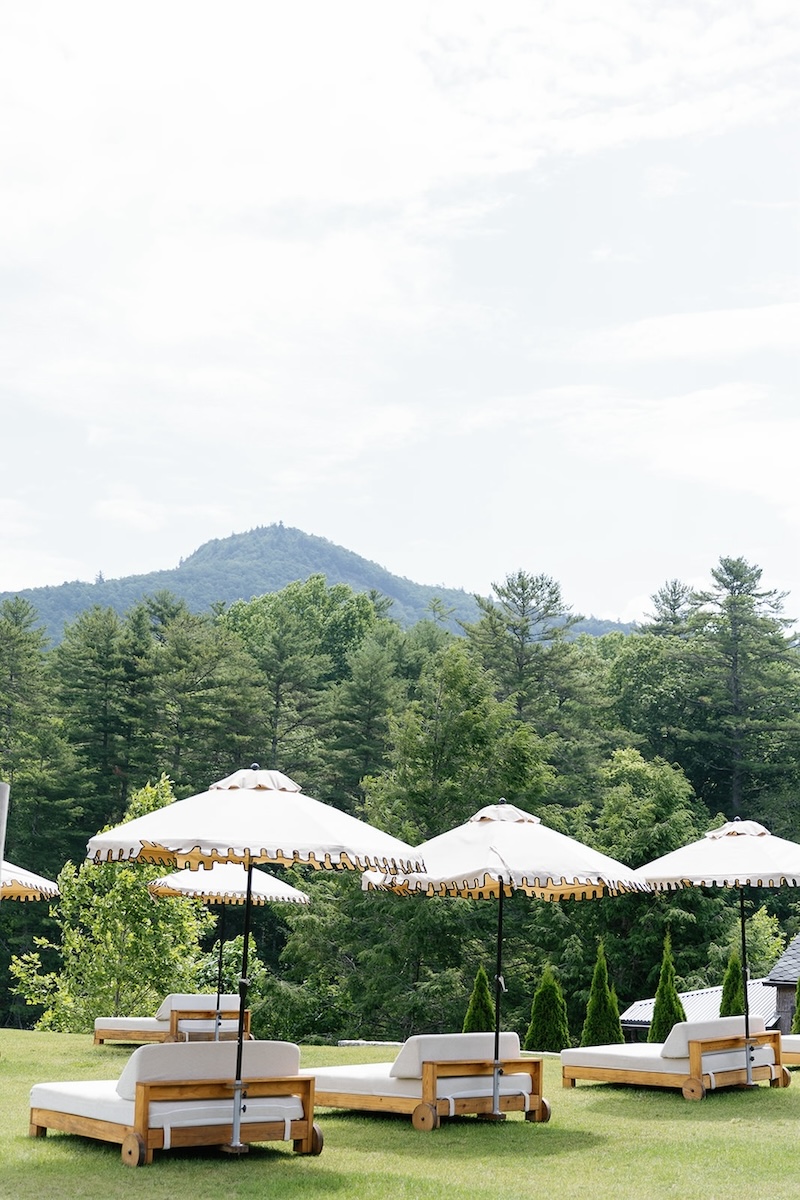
(732, 1001)
(526, 615)
(602, 1024)
(360, 711)
(668, 1008)
(746, 734)
(548, 1031)
(453, 746)
(479, 1016)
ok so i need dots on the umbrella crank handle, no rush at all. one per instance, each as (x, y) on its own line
(501, 983)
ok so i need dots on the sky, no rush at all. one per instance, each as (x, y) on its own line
(466, 288)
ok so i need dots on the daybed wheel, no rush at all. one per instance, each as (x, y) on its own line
(541, 1114)
(693, 1089)
(317, 1140)
(133, 1150)
(425, 1117)
(781, 1080)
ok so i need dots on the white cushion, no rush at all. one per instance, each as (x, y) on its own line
(678, 1038)
(206, 1060)
(647, 1057)
(99, 1100)
(375, 1079)
(449, 1047)
(201, 1001)
(123, 1024)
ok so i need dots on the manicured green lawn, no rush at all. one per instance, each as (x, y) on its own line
(603, 1143)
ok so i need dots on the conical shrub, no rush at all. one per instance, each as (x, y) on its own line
(549, 1028)
(479, 1016)
(602, 1025)
(668, 1008)
(732, 1002)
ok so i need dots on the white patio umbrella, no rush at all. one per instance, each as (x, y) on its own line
(226, 883)
(737, 855)
(500, 850)
(18, 884)
(252, 817)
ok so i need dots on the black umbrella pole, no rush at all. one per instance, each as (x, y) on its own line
(748, 1049)
(236, 1143)
(498, 976)
(221, 936)
(499, 988)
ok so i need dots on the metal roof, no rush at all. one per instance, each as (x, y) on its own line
(787, 968)
(703, 1005)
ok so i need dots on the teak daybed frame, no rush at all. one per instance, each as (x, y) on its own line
(436, 1076)
(697, 1057)
(180, 1018)
(182, 1095)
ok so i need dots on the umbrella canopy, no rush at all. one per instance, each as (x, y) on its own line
(503, 849)
(252, 817)
(226, 883)
(18, 884)
(737, 855)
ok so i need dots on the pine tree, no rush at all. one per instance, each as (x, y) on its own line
(602, 1025)
(732, 1002)
(479, 1017)
(668, 1009)
(549, 1029)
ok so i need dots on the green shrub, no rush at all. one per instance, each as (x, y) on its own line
(732, 1002)
(602, 1026)
(668, 1009)
(479, 1017)
(549, 1029)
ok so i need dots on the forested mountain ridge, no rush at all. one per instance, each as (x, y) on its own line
(263, 560)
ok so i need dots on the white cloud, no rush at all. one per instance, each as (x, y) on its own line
(311, 250)
(665, 180)
(726, 334)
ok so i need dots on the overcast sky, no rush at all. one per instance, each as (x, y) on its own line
(465, 288)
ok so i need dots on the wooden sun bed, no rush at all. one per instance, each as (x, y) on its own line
(790, 1049)
(697, 1057)
(436, 1076)
(182, 1095)
(181, 1017)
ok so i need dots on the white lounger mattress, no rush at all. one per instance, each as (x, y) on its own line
(373, 1079)
(151, 1025)
(98, 1099)
(644, 1056)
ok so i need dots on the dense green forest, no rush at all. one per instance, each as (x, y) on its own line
(633, 742)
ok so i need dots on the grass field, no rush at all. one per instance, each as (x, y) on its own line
(603, 1143)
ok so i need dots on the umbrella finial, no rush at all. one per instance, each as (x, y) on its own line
(502, 800)
(255, 767)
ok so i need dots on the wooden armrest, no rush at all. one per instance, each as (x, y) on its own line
(150, 1091)
(205, 1014)
(700, 1046)
(432, 1071)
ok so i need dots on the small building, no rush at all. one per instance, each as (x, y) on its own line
(783, 978)
(703, 1005)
